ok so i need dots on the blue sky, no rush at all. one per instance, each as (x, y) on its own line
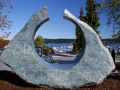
(56, 27)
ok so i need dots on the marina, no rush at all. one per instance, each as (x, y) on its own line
(67, 47)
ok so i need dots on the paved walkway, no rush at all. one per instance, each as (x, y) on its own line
(4, 67)
(117, 57)
(61, 58)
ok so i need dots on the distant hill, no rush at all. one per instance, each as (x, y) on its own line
(59, 40)
(65, 40)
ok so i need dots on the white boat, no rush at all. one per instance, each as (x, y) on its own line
(60, 51)
(70, 47)
(54, 48)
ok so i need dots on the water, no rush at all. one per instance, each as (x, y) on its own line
(116, 46)
(70, 44)
(63, 47)
(58, 45)
(113, 45)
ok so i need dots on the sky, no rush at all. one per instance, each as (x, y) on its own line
(56, 27)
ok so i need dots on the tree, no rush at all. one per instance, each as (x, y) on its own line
(74, 46)
(44, 47)
(79, 40)
(116, 37)
(5, 23)
(111, 8)
(39, 41)
(91, 17)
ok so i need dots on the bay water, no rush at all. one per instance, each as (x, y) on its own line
(58, 45)
(116, 46)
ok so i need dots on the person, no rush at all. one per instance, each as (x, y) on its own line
(113, 55)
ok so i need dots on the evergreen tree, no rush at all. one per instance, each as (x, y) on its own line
(91, 19)
(79, 40)
(92, 15)
(81, 17)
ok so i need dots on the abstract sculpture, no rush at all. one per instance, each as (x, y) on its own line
(90, 67)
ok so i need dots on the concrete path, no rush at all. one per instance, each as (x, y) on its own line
(117, 58)
(60, 58)
(4, 67)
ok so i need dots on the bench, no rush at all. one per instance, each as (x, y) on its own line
(45, 57)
